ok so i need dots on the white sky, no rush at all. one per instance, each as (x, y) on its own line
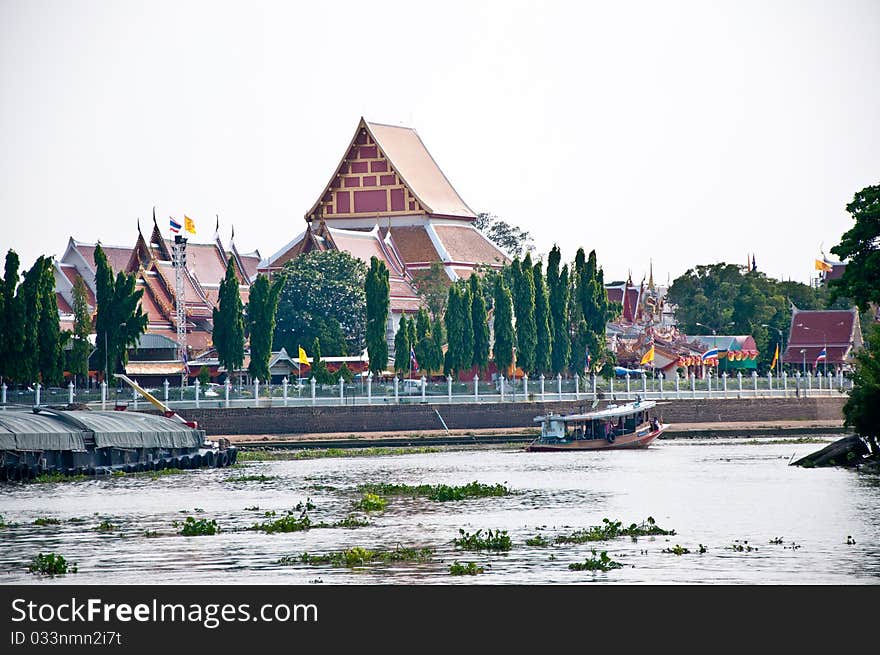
(686, 132)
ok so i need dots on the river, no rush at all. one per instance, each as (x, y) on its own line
(714, 493)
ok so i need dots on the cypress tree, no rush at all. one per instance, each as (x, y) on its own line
(12, 325)
(319, 370)
(544, 347)
(82, 328)
(228, 322)
(261, 309)
(401, 346)
(436, 345)
(480, 324)
(49, 337)
(502, 350)
(454, 331)
(467, 329)
(557, 283)
(377, 288)
(595, 310)
(578, 325)
(28, 295)
(524, 308)
(422, 346)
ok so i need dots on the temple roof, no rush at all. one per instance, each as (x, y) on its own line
(810, 331)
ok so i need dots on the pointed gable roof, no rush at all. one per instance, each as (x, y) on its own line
(410, 161)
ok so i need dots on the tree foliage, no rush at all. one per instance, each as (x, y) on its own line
(377, 289)
(459, 330)
(228, 322)
(515, 241)
(502, 349)
(120, 321)
(322, 298)
(860, 245)
(524, 310)
(260, 324)
(82, 328)
(50, 338)
(480, 323)
(432, 287)
(318, 369)
(862, 408)
(557, 283)
(11, 320)
(544, 346)
(402, 346)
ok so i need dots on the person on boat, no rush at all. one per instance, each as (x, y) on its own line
(655, 424)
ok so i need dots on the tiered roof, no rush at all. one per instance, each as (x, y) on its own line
(811, 331)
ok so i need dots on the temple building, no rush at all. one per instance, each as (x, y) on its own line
(836, 332)
(388, 198)
(149, 260)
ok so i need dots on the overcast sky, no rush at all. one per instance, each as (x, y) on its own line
(686, 132)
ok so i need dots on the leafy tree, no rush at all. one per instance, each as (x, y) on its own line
(401, 346)
(480, 323)
(544, 347)
(862, 408)
(322, 298)
(436, 346)
(82, 328)
(524, 309)
(319, 370)
(576, 321)
(204, 376)
(514, 241)
(30, 300)
(260, 324)
(120, 321)
(557, 282)
(502, 350)
(423, 344)
(344, 373)
(459, 330)
(861, 246)
(596, 311)
(50, 338)
(432, 287)
(228, 322)
(11, 321)
(377, 290)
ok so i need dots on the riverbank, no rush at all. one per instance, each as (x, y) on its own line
(408, 438)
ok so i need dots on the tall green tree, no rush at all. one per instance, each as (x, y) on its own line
(260, 324)
(50, 338)
(524, 309)
(229, 322)
(318, 369)
(378, 289)
(862, 408)
(480, 322)
(502, 350)
(12, 322)
(860, 245)
(596, 311)
(423, 345)
(82, 328)
(544, 347)
(577, 321)
(401, 346)
(557, 282)
(28, 295)
(436, 346)
(459, 331)
(432, 287)
(120, 321)
(324, 298)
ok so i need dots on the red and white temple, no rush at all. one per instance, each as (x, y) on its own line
(388, 198)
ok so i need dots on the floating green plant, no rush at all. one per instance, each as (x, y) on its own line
(198, 527)
(538, 540)
(55, 476)
(3, 523)
(319, 453)
(498, 540)
(51, 564)
(150, 534)
(350, 522)
(600, 562)
(359, 556)
(371, 503)
(677, 550)
(468, 568)
(252, 478)
(307, 506)
(288, 523)
(613, 529)
(45, 520)
(255, 508)
(437, 492)
(850, 541)
(743, 547)
(105, 526)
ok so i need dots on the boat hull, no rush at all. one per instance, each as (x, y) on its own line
(622, 442)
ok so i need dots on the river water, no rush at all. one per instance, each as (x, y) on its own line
(713, 492)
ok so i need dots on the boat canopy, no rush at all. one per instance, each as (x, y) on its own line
(610, 412)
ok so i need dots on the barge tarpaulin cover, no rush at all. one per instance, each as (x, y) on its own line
(23, 430)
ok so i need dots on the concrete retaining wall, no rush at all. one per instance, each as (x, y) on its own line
(379, 418)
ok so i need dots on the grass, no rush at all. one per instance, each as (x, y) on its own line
(198, 527)
(497, 540)
(319, 453)
(613, 529)
(45, 520)
(371, 503)
(600, 562)
(51, 564)
(359, 556)
(468, 568)
(437, 492)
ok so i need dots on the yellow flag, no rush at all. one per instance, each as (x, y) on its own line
(648, 357)
(302, 356)
(822, 265)
(188, 224)
(775, 357)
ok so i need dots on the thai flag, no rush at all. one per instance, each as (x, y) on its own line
(588, 359)
(709, 354)
(412, 359)
(822, 356)
(175, 226)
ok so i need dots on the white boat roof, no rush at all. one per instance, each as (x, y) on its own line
(612, 411)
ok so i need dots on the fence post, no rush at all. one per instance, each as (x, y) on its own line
(593, 375)
(70, 392)
(526, 387)
(830, 381)
(627, 385)
(755, 381)
(611, 386)
(542, 387)
(37, 396)
(3, 391)
(370, 388)
(784, 383)
(449, 387)
(396, 391)
(809, 380)
(103, 394)
(559, 385)
(341, 390)
(312, 382)
(165, 387)
(677, 385)
(476, 387)
(256, 392)
(739, 379)
(693, 385)
(797, 383)
(661, 385)
(196, 385)
(424, 386)
(284, 384)
(645, 384)
(577, 386)
(770, 382)
(501, 381)
(226, 386)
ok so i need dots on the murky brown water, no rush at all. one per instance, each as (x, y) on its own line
(710, 492)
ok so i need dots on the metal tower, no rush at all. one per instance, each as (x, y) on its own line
(178, 260)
